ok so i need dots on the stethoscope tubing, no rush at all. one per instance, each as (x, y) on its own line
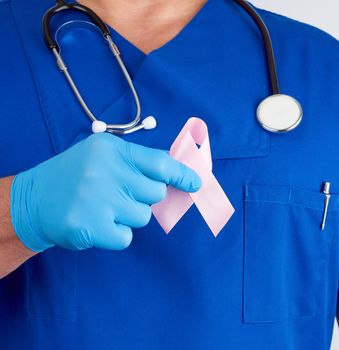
(269, 50)
(136, 124)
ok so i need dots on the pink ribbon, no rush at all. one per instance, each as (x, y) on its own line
(210, 200)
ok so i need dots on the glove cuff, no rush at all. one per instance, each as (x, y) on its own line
(20, 207)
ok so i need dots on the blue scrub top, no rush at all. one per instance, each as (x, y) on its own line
(270, 279)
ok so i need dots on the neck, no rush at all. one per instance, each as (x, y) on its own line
(148, 24)
(152, 9)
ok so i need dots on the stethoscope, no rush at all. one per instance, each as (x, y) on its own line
(276, 113)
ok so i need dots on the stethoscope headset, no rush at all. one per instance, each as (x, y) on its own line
(276, 113)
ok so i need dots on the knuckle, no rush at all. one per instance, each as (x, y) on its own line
(102, 141)
(161, 192)
(83, 239)
(76, 237)
(125, 240)
(161, 160)
(145, 214)
(180, 174)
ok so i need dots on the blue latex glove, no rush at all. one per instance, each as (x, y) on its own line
(93, 194)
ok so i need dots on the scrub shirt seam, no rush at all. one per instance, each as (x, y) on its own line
(281, 320)
(34, 77)
(288, 203)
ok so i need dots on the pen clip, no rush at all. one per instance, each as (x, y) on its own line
(326, 191)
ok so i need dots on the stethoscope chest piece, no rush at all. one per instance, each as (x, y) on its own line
(279, 113)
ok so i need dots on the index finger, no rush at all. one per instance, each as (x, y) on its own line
(160, 166)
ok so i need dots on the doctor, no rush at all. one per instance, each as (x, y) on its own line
(70, 200)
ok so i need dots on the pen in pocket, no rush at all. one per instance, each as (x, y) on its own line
(326, 191)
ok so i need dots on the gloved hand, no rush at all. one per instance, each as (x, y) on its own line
(93, 194)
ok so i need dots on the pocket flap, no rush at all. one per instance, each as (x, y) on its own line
(290, 195)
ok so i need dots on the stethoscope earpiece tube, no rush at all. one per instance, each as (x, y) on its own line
(64, 6)
(97, 125)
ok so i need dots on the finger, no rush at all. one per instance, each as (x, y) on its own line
(115, 237)
(147, 191)
(133, 214)
(159, 166)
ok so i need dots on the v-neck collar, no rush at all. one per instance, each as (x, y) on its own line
(174, 82)
(182, 32)
(54, 92)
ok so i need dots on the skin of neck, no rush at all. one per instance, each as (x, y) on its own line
(154, 10)
(148, 24)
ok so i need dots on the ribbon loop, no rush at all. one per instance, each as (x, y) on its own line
(210, 200)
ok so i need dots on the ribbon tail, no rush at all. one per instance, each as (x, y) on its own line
(213, 204)
(169, 211)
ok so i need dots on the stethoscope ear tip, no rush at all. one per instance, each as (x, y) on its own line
(98, 126)
(149, 123)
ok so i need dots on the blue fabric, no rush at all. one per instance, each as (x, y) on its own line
(270, 279)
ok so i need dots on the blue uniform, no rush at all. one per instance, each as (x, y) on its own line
(270, 279)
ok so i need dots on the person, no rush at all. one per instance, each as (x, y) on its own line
(72, 276)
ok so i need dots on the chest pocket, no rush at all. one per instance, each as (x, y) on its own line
(285, 252)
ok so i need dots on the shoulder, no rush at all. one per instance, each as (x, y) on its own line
(298, 32)
(308, 62)
(304, 48)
